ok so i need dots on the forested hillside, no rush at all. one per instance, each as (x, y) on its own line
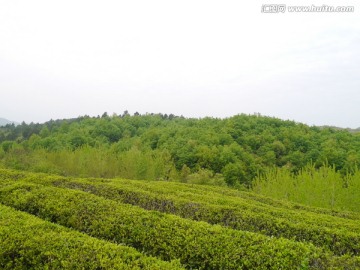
(231, 151)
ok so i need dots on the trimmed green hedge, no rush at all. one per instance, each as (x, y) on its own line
(196, 244)
(182, 189)
(339, 235)
(28, 242)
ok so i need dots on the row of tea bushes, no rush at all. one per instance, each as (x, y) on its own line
(28, 242)
(195, 244)
(339, 235)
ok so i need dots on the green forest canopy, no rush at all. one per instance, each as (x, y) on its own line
(230, 151)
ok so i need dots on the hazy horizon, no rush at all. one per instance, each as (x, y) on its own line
(66, 59)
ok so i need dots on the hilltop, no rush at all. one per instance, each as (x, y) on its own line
(4, 122)
(231, 151)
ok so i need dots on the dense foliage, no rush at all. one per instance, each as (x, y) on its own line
(28, 242)
(241, 212)
(323, 187)
(196, 244)
(230, 151)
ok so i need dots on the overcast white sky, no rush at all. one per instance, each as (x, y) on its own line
(62, 59)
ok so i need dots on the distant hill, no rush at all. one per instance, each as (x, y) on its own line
(4, 122)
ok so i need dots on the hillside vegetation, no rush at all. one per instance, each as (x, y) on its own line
(201, 226)
(169, 147)
(277, 158)
(28, 242)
